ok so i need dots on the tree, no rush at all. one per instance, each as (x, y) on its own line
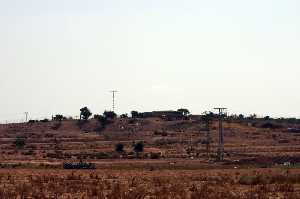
(241, 117)
(85, 113)
(125, 115)
(134, 114)
(58, 117)
(109, 114)
(253, 116)
(119, 148)
(184, 111)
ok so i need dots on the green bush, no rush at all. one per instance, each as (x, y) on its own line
(20, 143)
(103, 155)
(119, 147)
(138, 147)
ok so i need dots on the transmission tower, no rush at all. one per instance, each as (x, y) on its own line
(208, 121)
(221, 134)
(113, 99)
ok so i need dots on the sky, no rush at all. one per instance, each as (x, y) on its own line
(57, 56)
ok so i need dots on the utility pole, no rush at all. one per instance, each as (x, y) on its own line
(221, 134)
(26, 116)
(113, 99)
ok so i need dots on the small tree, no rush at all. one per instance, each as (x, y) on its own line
(125, 115)
(138, 147)
(58, 117)
(134, 114)
(119, 148)
(241, 117)
(85, 113)
(20, 143)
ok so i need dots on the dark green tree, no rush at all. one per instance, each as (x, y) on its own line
(184, 111)
(85, 113)
(58, 117)
(134, 114)
(109, 114)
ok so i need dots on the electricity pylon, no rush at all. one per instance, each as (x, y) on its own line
(221, 134)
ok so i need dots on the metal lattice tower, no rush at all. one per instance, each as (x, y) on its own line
(221, 134)
(113, 99)
(208, 121)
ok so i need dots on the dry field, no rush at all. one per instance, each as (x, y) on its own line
(211, 184)
(259, 162)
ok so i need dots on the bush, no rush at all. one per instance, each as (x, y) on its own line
(269, 125)
(124, 115)
(155, 155)
(119, 147)
(20, 143)
(138, 147)
(109, 114)
(58, 117)
(103, 155)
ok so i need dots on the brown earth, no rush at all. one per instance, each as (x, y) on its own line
(174, 150)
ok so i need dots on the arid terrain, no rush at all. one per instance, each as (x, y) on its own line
(260, 162)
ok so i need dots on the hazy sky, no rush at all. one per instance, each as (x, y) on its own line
(60, 55)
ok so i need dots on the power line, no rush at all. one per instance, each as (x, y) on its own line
(113, 99)
(221, 134)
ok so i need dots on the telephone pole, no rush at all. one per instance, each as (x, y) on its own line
(26, 116)
(221, 134)
(113, 99)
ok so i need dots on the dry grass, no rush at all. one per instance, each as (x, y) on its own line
(143, 184)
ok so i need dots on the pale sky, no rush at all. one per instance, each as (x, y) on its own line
(60, 55)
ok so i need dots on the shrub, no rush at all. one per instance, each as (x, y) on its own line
(58, 117)
(124, 115)
(20, 143)
(269, 125)
(155, 155)
(109, 114)
(138, 147)
(103, 155)
(119, 147)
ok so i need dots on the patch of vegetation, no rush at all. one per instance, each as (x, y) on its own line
(138, 147)
(103, 155)
(20, 143)
(119, 148)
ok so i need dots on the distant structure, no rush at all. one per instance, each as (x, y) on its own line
(113, 99)
(221, 134)
(167, 115)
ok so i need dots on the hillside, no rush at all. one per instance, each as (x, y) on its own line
(164, 141)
